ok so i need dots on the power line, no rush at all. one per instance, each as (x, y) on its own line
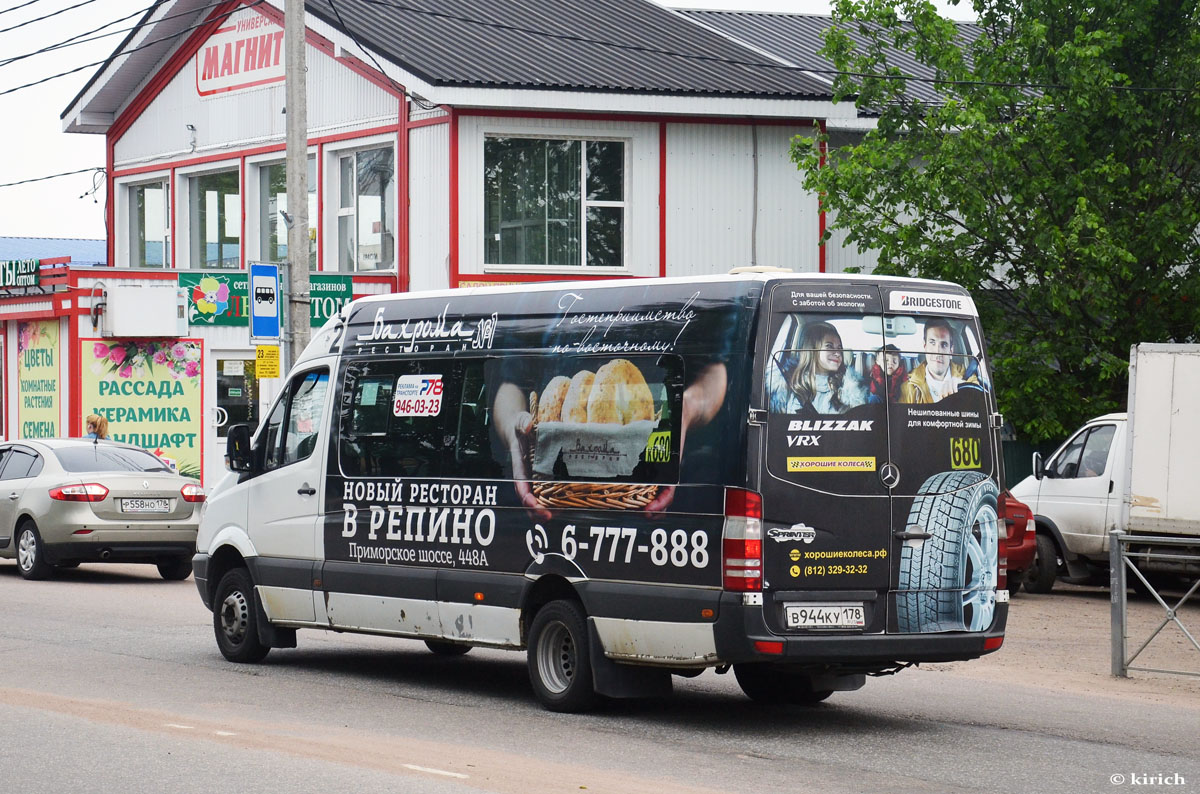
(122, 53)
(46, 16)
(14, 8)
(404, 91)
(935, 81)
(51, 176)
(78, 38)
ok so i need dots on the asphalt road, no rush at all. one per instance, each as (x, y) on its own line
(112, 682)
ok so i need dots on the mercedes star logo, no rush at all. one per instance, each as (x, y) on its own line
(890, 475)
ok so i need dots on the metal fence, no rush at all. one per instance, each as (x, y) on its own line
(1123, 563)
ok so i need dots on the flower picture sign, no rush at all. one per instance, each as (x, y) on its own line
(215, 298)
(38, 386)
(149, 390)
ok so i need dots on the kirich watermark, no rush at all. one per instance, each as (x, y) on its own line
(1147, 779)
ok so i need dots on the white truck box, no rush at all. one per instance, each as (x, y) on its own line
(1136, 472)
(1162, 496)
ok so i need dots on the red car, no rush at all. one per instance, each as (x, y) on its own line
(1021, 542)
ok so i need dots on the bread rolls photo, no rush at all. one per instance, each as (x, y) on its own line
(619, 395)
(575, 403)
(551, 403)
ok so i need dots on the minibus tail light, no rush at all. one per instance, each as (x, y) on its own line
(741, 547)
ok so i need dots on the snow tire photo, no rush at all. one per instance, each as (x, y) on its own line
(948, 581)
(560, 666)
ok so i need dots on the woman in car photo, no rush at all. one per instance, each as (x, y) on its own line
(815, 376)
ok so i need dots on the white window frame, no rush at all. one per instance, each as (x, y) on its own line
(581, 267)
(183, 220)
(253, 199)
(328, 228)
(124, 187)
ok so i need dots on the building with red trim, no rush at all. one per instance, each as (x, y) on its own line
(495, 142)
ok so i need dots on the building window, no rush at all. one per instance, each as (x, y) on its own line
(149, 225)
(366, 210)
(215, 220)
(273, 199)
(554, 202)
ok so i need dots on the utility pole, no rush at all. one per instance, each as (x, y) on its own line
(298, 324)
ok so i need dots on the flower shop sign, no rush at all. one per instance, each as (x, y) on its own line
(37, 379)
(223, 297)
(149, 391)
(19, 273)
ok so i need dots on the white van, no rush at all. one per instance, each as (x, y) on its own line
(794, 476)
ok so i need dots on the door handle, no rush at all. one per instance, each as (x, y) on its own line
(905, 535)
(14, 496)
(306, 491)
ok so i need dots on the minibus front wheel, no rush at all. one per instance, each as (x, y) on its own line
(560, 667)
(235, 618)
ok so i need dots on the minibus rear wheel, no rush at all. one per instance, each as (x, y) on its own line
(560, 667)
(235, 618)
(764, 683)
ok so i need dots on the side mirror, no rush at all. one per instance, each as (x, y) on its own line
(239, 455)
(1039, 468)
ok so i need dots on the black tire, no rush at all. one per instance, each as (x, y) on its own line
(948, 581)
(1015, 579)
(1044, 570)
(1158, 583)
(763, 683)
(443, 648)
(560, 667)
(31, 555)
(235, 618)
(175, 569)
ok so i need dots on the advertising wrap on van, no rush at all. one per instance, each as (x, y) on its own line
(594, 432)
(879, 428)
(593, 436)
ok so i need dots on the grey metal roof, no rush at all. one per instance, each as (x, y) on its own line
(582, 45)
(797, 38)
(82, 252)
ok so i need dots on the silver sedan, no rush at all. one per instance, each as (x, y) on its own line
(64, 501)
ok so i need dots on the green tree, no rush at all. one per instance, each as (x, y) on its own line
(1057, 177)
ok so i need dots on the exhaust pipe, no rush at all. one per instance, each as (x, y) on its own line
(105, 554)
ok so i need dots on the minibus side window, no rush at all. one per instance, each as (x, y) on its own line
(294, 425)
(401, 418)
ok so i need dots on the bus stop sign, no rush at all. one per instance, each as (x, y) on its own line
(264, 302)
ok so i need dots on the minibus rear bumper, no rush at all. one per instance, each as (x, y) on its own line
(742, 635)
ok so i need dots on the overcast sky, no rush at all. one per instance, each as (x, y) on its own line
(32, 143)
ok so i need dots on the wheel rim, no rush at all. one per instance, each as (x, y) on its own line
(981, 574)
(556, 658)
(27, 550)
(235, 616)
